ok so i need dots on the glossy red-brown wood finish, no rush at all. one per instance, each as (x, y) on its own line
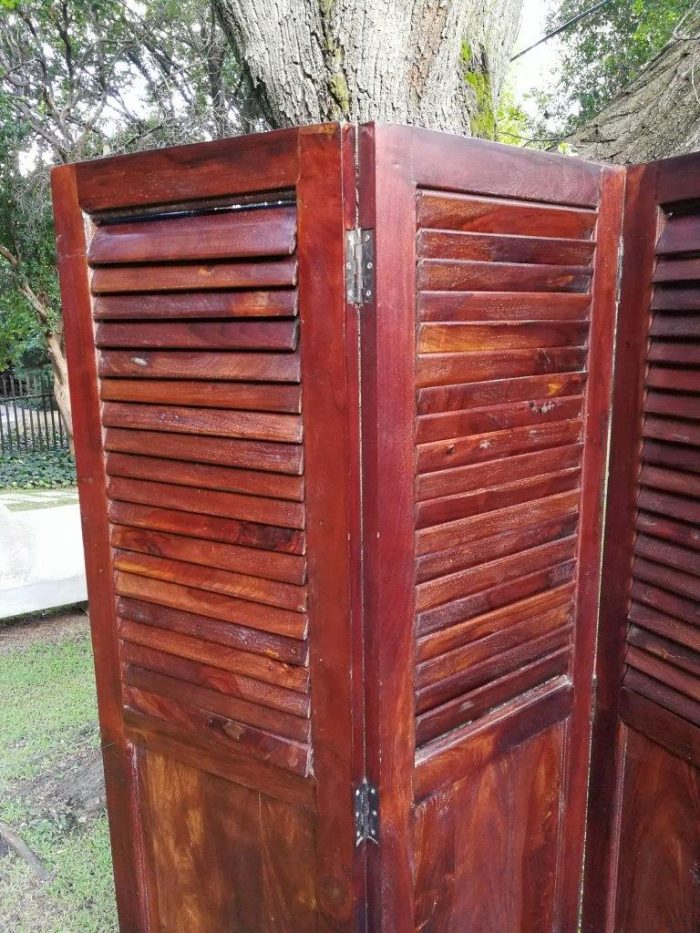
(481, 582)
(644, 812)
(327, 542)
(226, 617)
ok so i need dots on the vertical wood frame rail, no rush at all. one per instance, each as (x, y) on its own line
(317, 165)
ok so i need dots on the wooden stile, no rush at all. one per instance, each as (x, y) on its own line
(342, 400)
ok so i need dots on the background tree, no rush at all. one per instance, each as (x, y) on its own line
(625, 90)
(440, 65)
(80, 78)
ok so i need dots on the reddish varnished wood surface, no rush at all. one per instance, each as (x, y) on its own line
(643, 847)
(326, 542)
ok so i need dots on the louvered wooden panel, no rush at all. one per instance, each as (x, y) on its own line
(198, 351)
(503, 310)
(663, 638)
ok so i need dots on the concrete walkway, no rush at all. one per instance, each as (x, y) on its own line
(41, 550)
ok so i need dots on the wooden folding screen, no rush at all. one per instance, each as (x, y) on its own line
(342, 404)
(643, 872)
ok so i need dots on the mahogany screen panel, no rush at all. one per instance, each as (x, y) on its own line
(217, 523)
(488, 417)
(645, 779)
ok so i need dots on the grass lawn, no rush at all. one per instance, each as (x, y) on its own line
(50, 787)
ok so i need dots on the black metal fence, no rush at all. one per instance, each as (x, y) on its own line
(29, 417)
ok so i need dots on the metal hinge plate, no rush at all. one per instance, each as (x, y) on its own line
(359, 266)
(366, 801)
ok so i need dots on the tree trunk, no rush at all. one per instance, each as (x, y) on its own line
(59, 366)
(435, 63)
(658, 114)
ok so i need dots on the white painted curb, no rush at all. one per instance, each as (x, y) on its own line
(41, 559)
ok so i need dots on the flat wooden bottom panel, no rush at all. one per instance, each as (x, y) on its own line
(659, 866)
(224, 857)
(486, 848)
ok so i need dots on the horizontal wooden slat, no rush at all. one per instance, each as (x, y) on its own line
(261, 426)
(206, 628)
(188, 660)
(683, 353)
(668, 325)
(481, 626)
(496, 418)
(476, 703)
(472, 529)
(479, 448)
(470, 655)
(669, 429)
(670, 455)
(227, 234)
(254, 509)
(270, 748)
(662, 694)
(500, 306)
(502, 247)
(467, 338)
(291, 727)
(660, 527)
(496, 472)
(496, 596)
(242, 396)
(463, 556)
(661, 600)
(252, 615)
(211, 335)
(254, 666)
(677, 270)
(276, 542)
(490, 215)
(666, 650)
(447, 368)
(670, 554)
(679, 482)
(202, 475)
(678, 735)
(265, 274)
(679, 507)
(210, 304)
(676, 581)
(672, 298)
(440, 592)
(663, 672)
(181, 364)
(450, 508)
(254, 455)
(678, 380)
(476, 394)
(678, 406)
(252, 564)
(242, 586)
(680, 234)
(447, 274)
(491, 668)
(665, 625)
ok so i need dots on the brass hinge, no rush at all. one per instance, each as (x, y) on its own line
(359, 266)
(366, 802)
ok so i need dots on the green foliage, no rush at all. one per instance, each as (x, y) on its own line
(48, 715)
(40, 469)
(603, 53)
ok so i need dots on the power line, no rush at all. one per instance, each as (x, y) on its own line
(555, 32)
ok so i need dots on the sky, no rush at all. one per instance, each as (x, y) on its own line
(532, 70)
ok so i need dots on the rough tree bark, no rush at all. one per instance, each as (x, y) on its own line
(658, 114)
(436, 63)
